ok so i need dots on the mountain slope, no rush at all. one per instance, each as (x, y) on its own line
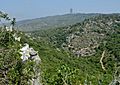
(52, 21)
(58, 65)
(82, 38)
(98, 35)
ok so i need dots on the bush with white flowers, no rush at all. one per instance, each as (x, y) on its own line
(19, 65)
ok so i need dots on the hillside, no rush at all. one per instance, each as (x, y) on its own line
(52, 62)
(94, 48)
(82, 38)
(52, 21)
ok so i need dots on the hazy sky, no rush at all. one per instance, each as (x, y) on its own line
(27, 9)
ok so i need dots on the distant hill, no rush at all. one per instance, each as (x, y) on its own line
(53, 21)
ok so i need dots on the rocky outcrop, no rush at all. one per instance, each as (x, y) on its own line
(35, 57)
(30, 53)
(84, 52)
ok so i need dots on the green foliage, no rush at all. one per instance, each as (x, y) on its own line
(58, 66)
(89, 67)
(12, 69)
(65, 76)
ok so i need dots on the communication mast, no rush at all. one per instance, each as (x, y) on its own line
(71, 11)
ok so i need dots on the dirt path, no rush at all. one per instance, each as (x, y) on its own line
(103, 55)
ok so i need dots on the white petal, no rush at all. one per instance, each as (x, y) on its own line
(21, 52)
(22, 57)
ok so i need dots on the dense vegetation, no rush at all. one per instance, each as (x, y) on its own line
(102, 31)
(58, 65)
(82, 38)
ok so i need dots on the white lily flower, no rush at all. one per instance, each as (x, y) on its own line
(24, 58)
(7, 28)
(25, 52)
(10, 29)
(29, 53)
(14, 35)
(17, 38)
(25, 47)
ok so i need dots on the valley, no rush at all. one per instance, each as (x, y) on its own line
(85, 50)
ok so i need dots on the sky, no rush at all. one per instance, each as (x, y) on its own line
(29, 9)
